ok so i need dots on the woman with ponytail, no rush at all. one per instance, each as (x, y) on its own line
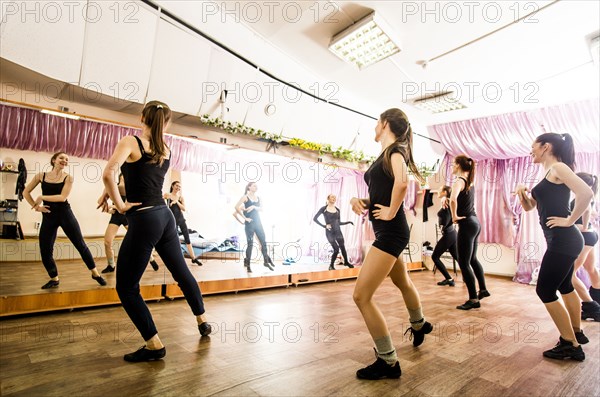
(387, 179)
(333, 232)
(590, 306)
(462, 207)
(144, 162)
(565, 242)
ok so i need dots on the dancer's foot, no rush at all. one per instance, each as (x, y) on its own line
(100, 280)
(349, 265)
(565, 349)
(108, 269)
(419, 336)
(154, 265)
(144, 354)
(51, 284)
(331, 267)
(448, 282)
(380, 370)
(204, 328)
(484, 293)
(468, 305)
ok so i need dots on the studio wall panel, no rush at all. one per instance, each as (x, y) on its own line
(118, 50)
(46, 37)
(179, 68)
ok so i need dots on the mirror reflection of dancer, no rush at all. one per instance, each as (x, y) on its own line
(462, 205)
(176, 203)
(448, 240)
(334, 235)
(116, 220)
(387, 179)
(248, 208)
(144, 161)
(590, 308)
(565, 242)
(56, 212)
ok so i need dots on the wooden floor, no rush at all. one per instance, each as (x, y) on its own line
(307, 340)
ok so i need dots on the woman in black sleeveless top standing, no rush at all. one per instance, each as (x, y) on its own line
(590, 306)
(144, 162)
(551, 197)
(248, 208)
(176, 204)
(448, 240)
(56, 212)
(334, 235)
(387, 179)
(462, 206)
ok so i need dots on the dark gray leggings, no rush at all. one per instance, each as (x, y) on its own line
(61, 216)
(148, 229)
(446, 243)
(251, 228)
(468, 232)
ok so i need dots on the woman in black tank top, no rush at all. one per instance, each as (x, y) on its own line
(333, 232)
(551, 197)
(247, 208)
(387, 179)
(176, 204)
(144, 162)
(462, 206)
(56, 212)
(590, 306)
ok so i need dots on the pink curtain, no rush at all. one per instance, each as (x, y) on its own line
(501, 146)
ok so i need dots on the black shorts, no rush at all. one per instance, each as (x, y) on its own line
(590, 238)
(393, 236)
(118, 219)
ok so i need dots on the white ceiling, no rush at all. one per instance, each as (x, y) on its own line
(142, 55)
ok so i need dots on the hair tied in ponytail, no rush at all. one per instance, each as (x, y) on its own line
(159, 106)
(562, 136)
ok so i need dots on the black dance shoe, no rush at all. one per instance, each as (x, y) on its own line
(51, 284)
(143, 354)
(590, 310)
(565, 349)
(349, 265)
(581, 338)
(468, 305)
(380, 370)
(484, 293)
(447, 282)
(204, 328)
(154, 265)
(419, 336)
(108, 269)
(196, 260)
(331, 267)
(100, 280)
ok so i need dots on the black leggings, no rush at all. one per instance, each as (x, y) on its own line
(446, 243)
(468, 232)
(61, 216)
(184, 230)
(556, 271)
(148, 229)
(252, 228)
(336, 239)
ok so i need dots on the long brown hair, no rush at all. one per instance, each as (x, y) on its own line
(590, 180)
(400, 127)
(248, 187)
(562, 147)
(466, 164)
(156, 115)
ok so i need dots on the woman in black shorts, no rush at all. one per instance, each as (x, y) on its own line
(116, 220)
(144, 161)
(590, 308)
(334, 235)
(56, 212)
(387, 179)
(176, 203)
(551, 197)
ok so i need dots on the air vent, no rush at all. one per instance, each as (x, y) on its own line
(439, 102)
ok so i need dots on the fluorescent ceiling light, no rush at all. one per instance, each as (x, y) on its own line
(365, 42)
(438, 103)
(61, 114)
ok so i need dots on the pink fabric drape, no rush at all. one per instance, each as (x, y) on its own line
(501, 146)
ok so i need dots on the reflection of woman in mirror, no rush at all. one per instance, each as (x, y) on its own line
(176, 203)
(387, 179)
(116, 220)
(144, 161)
(331, 214)
(247, 213)
(56, 212)
(448, 240)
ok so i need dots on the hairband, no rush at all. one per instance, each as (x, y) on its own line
(159, 106)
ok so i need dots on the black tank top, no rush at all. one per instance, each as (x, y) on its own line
(331, 218)
(381, 185)
(465, 202)
(254, 213)
(144, 180)
(53, 189)
(552, 200)
(445, 220)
